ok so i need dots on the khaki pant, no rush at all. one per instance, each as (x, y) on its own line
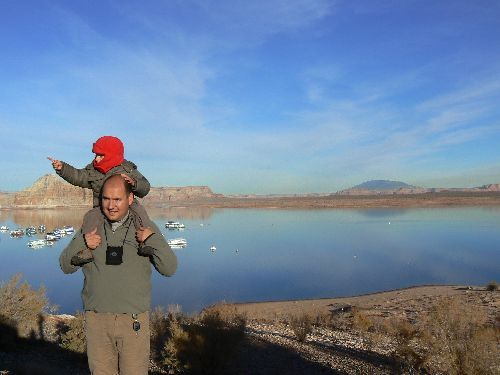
(113, 347)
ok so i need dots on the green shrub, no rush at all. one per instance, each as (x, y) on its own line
(204, 344)
(301, 326)
(492, 286)
(23, 306)
(73, 337)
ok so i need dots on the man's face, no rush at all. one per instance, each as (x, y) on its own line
(114, 201)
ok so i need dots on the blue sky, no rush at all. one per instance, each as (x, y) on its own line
(275, 96)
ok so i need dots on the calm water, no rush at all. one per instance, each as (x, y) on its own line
(284, 254)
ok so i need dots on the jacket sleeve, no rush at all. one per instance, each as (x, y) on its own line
(65, 259)
(78, 177)
(162, 256)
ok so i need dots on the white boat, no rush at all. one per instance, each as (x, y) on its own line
(177, 242)
(36, 244)
(51, 236)
(212, 248)
(4, 228)
(174, 225)
(41, 228)
(68, 230)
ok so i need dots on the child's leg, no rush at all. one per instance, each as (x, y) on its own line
(92, 220)
(140, 216)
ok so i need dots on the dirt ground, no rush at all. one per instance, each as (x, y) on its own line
(402, 302)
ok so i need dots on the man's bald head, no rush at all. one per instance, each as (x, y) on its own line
(118, 179)
(116, 197)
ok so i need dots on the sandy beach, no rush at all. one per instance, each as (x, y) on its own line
(407, 302)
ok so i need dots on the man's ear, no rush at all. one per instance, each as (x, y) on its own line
(130, 198)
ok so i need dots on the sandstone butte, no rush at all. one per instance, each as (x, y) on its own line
(51, 191)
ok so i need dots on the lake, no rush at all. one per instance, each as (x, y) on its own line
(271, 254)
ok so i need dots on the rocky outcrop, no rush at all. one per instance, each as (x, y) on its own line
(164, 195)
(52, 191)
(6, 199)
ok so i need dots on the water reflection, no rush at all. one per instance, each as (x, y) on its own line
(180, 213)
(283, 254)
(54, 218)
(51, 218)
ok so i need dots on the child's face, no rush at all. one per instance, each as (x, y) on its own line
(98, 158)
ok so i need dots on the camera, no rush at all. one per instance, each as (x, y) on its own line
(114, 255)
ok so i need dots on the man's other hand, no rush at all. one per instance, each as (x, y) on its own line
(142, 234)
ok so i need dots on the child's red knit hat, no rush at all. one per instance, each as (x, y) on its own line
(112, 149)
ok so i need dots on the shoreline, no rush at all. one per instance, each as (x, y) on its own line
(424, 200)
(409, 301)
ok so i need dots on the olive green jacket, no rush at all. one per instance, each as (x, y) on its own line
(91, 178)
(124, 288)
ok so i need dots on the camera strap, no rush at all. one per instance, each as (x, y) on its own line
(124, 238)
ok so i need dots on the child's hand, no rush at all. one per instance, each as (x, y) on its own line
(92, 239)
(56, 164)
(142, 234)
(129, 179)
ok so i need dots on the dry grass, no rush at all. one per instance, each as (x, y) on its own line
(452, 338)
(301, 326)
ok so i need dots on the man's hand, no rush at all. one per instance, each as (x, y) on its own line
(129, 179)
(92, 239)
(56, 164)
(142, 234)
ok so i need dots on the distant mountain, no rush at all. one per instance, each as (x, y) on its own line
(386, 187)
(383, 185)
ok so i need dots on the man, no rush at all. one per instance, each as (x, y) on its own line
(116, 263)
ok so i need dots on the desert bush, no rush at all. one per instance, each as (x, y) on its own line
(492, 286)
(162, 325)
(408, 349)
(73, 336)
(453, 338)
(301, 326)
(23, 306)
(361, 321)
(203, 344)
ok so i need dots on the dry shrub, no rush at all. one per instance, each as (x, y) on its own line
(408, 350)
(73, 336)
(301, 326)
(162, 325)
(361, 321)
(453, 338)
(492, 286)
(204, 344)
(23, 306)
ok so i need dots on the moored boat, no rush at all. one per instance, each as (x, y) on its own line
(174, 225)
(36, 244)
(177, 243)
(17, 233)
(52, 236)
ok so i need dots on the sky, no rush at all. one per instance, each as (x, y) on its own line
(264, 97)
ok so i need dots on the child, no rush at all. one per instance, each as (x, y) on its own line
(108, 161)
